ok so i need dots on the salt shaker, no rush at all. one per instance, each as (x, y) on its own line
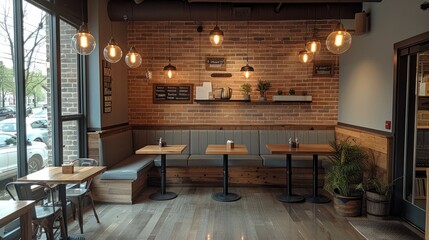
(160, 142)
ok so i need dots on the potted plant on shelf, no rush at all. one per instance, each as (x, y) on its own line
(347, 161)
(291, 91)
(246, 88)
(263, 87)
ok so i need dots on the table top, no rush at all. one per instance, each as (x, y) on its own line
(10, 210)
(54, 175)
(222, 149)
(155, 149)
(320, 149)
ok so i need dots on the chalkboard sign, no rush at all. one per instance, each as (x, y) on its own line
(172, 93)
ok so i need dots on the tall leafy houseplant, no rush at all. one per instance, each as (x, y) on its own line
(347, 161)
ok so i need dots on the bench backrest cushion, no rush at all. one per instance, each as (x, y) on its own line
(115, 148)
(143, 137)
(201, 138)
(304, 136)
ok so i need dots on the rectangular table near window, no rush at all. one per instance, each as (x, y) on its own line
(10, 210)
(54, 175)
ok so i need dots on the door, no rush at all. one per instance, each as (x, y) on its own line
(411, 132)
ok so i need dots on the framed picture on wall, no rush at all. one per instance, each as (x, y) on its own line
(323, 69)
(216, 63)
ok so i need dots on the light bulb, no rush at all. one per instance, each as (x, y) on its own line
(246, 74)
(339, 41)
(216, 36)
(83, 42)
(305, 57)
(247, 70)
(112, 52)
(170, 71)
(313, 46)
(133, 59)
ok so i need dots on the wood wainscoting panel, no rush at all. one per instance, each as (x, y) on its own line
(238, 176)
(379, 147)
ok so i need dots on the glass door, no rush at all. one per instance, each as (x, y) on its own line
(411, 133)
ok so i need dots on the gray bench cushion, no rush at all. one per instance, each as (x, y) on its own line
(173, 160)
(129, 168)
(196, 160)
(143, 137)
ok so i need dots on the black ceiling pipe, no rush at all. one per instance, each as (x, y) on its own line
(183, 11)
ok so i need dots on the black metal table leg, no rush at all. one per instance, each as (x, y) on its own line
(288, 197)
(225, 196)
(316, 198)
(163, 195)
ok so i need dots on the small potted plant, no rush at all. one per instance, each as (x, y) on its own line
(279, 92)
(291, 91)
(262, 88)
(344, 177)
(246, 88)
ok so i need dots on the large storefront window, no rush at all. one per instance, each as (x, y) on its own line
(8, 148)
(37, 78)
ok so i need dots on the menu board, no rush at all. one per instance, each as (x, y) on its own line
(107, 86)
(172, 93)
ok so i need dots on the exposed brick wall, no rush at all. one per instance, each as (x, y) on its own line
(273, 50)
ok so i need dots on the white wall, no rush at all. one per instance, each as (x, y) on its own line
(100, 27)
(366, 70)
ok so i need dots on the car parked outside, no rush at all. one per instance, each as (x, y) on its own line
(6, 112)
(37, 129)
(37, 156)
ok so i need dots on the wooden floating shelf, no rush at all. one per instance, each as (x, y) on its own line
(220, 100)
(292, 98)
(249, 101)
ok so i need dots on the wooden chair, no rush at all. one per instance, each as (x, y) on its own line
(47, 210)
(77, 193)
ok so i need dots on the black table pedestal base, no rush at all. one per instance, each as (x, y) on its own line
(318, 199)
(230, 197)
(161, 197)
(290, 198)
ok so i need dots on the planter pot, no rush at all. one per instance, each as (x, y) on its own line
(292, 98)
(262, 98)
(348, 206)
(377, 205)
(246, 97)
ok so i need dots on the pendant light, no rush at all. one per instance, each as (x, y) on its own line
(339, 41)
(247, 70)
(216, 35)
(112, 52)
(313, 45)
(169, 70)
(133, 59)
(83, 42)
(305, 56)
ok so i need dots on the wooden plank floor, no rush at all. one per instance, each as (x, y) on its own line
(194, 215)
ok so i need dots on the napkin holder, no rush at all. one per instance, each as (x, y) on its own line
(229, 144)
(68, 168)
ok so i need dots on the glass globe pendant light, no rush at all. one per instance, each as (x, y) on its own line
(83, 42)
(305, 56)
(133, 59)
(339, 41)
(314, 44)
(112, 52)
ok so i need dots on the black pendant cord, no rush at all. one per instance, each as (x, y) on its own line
(169, 43)
(247, 38)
